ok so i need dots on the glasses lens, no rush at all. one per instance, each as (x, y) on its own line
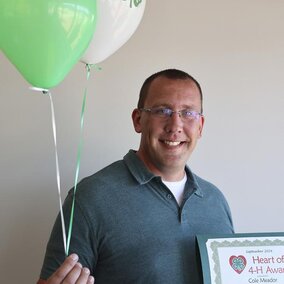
(167, 112)
(189, 114)
(163, 112)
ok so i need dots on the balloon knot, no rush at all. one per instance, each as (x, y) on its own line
(90, 66)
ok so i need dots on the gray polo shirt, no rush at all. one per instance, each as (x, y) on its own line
(128, 227)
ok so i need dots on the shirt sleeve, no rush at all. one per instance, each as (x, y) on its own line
(82, 240)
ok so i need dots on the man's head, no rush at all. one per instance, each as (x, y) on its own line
(170, 74)
(170, 122)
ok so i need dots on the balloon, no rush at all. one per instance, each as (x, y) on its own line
(117, 21)
(45, 38)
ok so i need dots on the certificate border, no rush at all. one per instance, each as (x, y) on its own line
(201, 241)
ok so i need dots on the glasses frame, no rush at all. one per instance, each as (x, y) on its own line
(166, 112)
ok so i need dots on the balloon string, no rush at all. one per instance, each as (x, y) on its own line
(88, 68)
(57, 167)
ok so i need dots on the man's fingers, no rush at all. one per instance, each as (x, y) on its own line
(73, 275)
(91, 280)
(67, 267)
(71, 271)
(85, 277)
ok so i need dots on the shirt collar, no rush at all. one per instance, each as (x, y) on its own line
(192, 182)
(137, 168)
(143, 176)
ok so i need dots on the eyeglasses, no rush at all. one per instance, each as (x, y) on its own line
(164, 112)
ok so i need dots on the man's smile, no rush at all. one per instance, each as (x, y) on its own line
(172, 143)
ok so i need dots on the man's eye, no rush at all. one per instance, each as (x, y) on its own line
(187, 113)
(167, 111)
(163, 111)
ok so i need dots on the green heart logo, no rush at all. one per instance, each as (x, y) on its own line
(238, 263)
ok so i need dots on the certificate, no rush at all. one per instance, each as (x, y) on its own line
(242, 258)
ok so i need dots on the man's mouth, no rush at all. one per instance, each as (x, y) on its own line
(172, 143)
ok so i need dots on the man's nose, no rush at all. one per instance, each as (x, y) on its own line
(174, 123)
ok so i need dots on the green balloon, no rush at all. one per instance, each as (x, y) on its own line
(45, 38)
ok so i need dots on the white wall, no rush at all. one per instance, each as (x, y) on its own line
(234, 48)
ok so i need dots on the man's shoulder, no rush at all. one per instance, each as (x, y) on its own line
(108, 174)
(207, 188)
(119, 167)
(101, 185)
(204, 183)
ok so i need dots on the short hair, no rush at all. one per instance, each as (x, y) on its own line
(174, 74)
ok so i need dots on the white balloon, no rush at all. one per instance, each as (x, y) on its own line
(117, 20)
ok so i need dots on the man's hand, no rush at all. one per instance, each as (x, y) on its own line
(70, 271)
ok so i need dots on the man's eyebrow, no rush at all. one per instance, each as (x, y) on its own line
(164, 105)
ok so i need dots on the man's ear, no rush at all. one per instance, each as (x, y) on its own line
(201, 124)
(136, 120)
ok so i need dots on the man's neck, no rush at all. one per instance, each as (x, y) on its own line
(167, 174)
(173, 176)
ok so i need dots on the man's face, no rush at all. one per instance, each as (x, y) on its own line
(166, 143)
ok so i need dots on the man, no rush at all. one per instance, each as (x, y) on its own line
(136, 220)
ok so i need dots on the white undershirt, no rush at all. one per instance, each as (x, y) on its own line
(177, 188)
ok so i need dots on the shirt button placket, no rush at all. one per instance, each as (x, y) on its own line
(183, 217)
(169, 196)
